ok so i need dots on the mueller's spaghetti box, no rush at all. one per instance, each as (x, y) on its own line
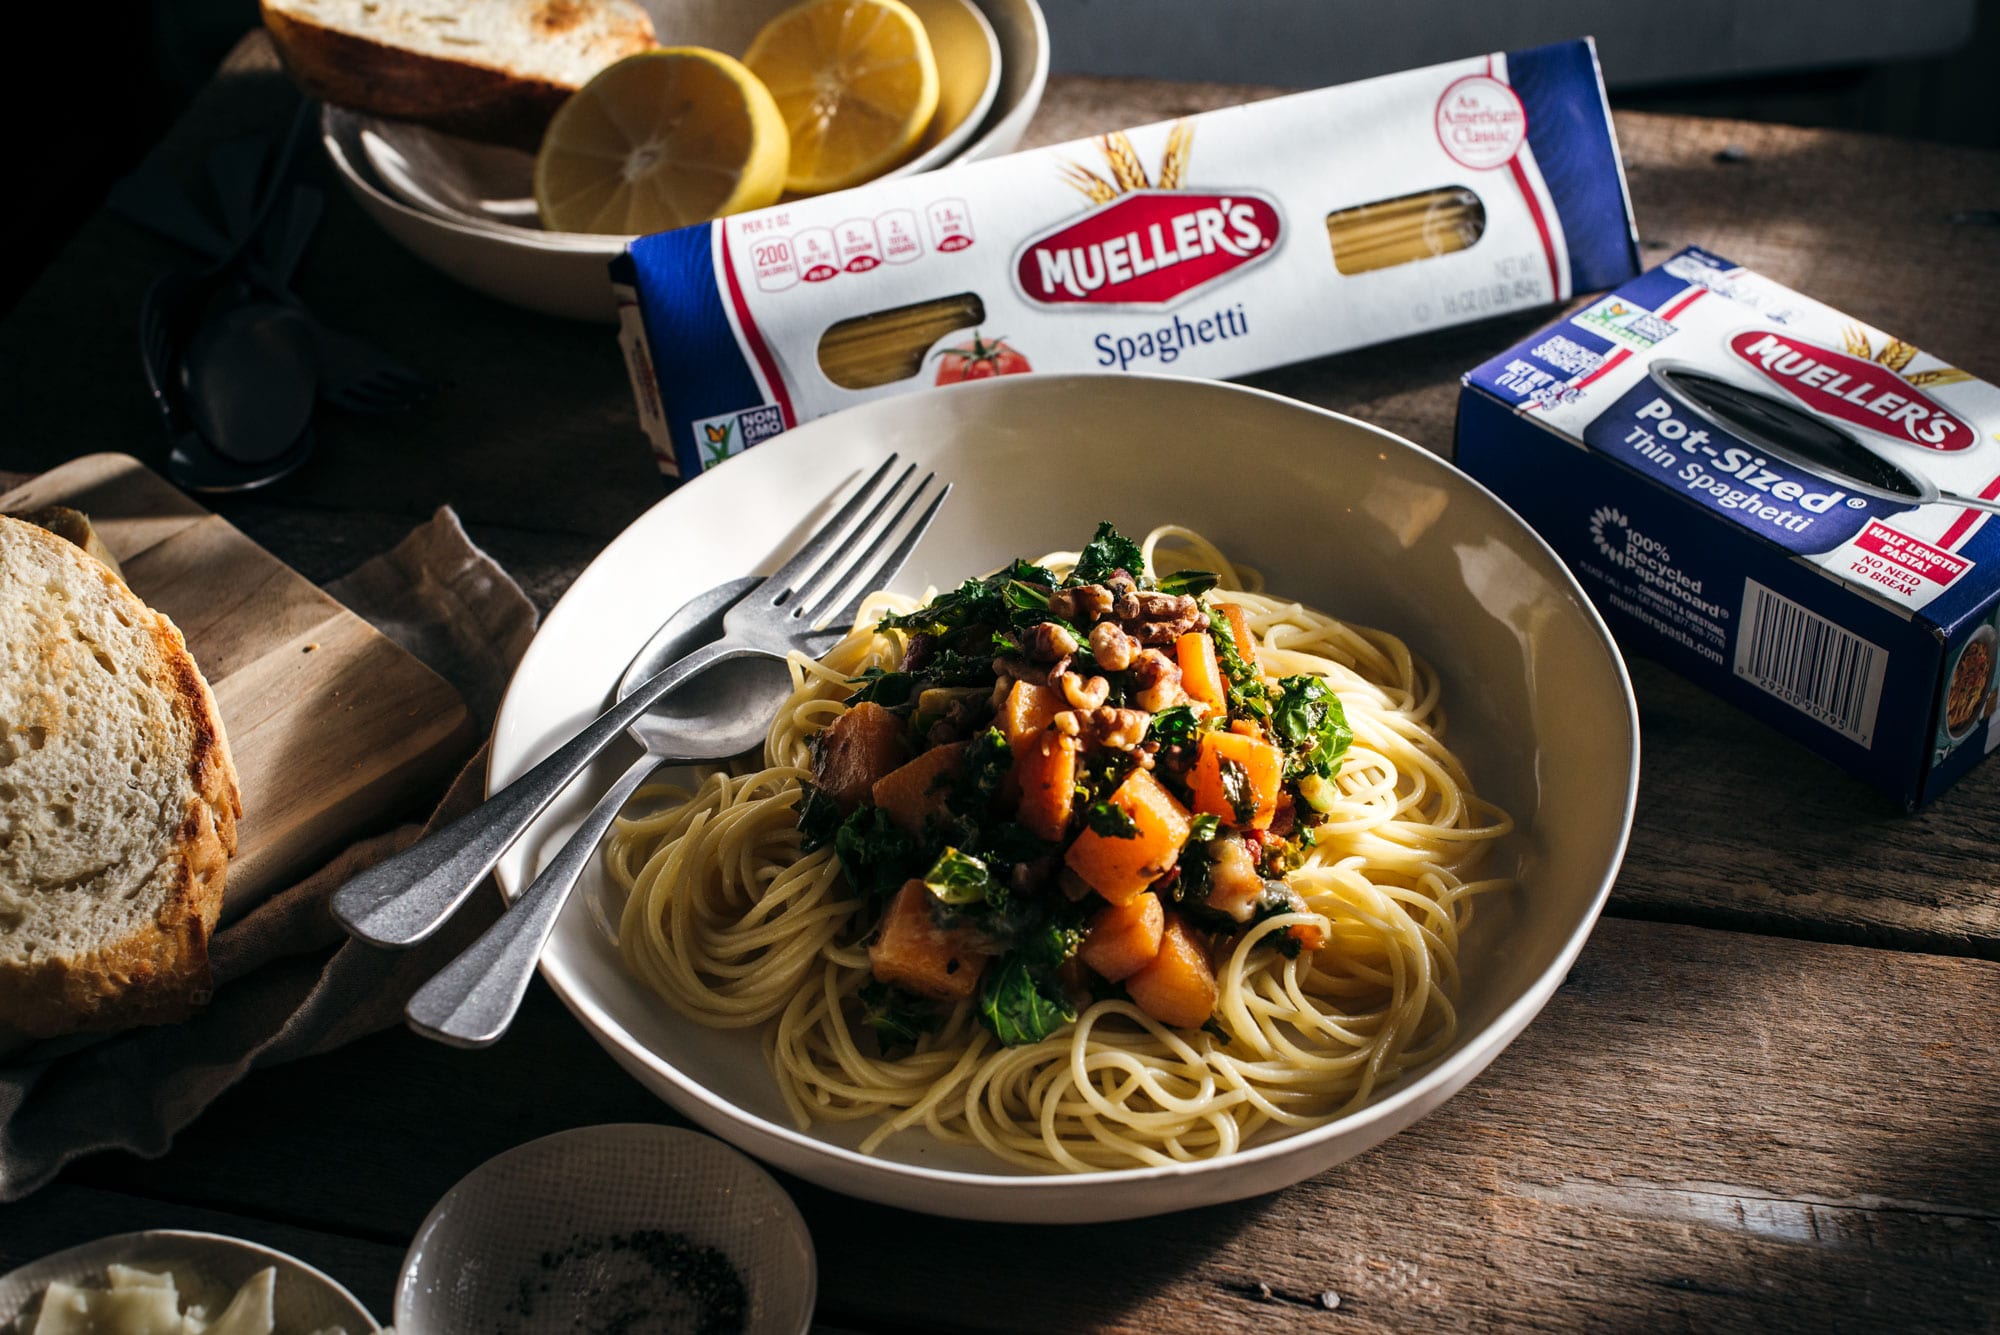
(1792, 507)
(1214, 246)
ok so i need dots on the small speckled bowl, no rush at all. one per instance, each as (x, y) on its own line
(582, 1229)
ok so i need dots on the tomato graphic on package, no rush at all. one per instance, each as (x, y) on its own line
(978, 360)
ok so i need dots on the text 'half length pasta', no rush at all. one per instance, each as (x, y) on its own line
(1102, 861)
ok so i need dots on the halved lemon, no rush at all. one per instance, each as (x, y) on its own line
(856, 84)
(661, 139)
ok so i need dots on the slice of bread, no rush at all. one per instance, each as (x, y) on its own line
(75, 525)
(495, 70)
(118, 799)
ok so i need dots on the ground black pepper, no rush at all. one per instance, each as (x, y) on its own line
(646, 1282)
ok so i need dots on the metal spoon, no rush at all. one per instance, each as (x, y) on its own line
(724, 712)
(255, 355)
(249, 376)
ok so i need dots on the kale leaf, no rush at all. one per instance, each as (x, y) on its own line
(819, 818)
(1174, 727)
(1023, 1002)
(876, 855)
(1310, 720)
(897, 1018)
(1237, 789)
(1110, 820)
(888, 689)
(1194, 583)
(976, 602)
(1107, 552)
(959, 878)
(1010, 844)
(1203, 828)
(987, 760)
(1248, 695)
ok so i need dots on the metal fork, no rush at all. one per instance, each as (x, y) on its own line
(402, 901)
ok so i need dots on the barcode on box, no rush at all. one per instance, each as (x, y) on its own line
(1810, 663)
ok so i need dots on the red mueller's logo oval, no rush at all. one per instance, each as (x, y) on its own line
(1148, 248)
(1852, 389)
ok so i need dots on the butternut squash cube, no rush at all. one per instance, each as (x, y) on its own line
(1201, 674)
(1119, 868)
(1027, 712)
(919, 789)
(1263, 767)
(1176, 987)
(1123, 938)
(1046, 771)
(856, 749)
(912, 952)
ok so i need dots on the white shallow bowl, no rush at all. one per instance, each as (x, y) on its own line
(489, 185)
(1343, 516)
(208, 1267)
(463, 207)
(482, 1248)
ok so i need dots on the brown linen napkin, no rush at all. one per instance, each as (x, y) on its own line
(279, 993)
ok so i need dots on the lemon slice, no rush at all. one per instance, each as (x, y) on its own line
(661, 139)
(856, 83)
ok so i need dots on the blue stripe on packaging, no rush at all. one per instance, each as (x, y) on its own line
(705, 375)
(1571, 135)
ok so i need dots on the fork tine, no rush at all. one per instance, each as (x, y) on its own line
(840, 561)
(804, 559)
(873, 576)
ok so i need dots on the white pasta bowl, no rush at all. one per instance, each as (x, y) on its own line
(465, 208)
(1340, 515)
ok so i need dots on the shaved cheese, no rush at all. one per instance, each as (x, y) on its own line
(250, 1311)
(145, 1302)
(67, 1310)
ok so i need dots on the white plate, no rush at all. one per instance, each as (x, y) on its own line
(483, 1245)
(1341, 515)
(454, 204)
(207, 1268)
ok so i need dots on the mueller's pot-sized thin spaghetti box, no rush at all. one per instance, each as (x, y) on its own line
(1793, 508)
(1214, 246)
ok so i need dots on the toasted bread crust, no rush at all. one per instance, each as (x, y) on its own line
(464, 97)
(159, 973)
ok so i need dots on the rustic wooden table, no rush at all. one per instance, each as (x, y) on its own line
(1768, 1095)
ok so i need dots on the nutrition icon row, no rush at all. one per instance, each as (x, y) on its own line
(860, 244)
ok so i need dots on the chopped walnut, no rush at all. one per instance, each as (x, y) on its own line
(1113, 649)
(1081, 694)
(1158, 618)
(1119, 729)
(1156, 681)
(1047, 642)
(1013, 667)
(1082, 605)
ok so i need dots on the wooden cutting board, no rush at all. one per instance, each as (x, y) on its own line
(336, 730)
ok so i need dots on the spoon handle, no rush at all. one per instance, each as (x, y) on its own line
(403, 900)
(1971, 502)
(472, 1000)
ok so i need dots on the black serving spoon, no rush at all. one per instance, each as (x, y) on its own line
(354, 374)
(233, 371)
(1803, 440)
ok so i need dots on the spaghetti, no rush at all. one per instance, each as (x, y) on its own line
(1405, 229)
(732, 925)
(887, 346)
